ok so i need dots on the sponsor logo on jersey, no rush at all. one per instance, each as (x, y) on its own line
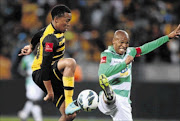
(125, 72)
(103, 59)
(115, 61)
(49, 47)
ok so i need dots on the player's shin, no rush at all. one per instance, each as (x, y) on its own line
(68, 89)
(108, 94)
(109, 101)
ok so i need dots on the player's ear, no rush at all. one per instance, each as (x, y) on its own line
(56, 19)
(113, 41)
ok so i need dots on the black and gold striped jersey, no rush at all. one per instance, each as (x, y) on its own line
(50, 49)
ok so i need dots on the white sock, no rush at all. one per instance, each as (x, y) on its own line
(37, 113)
(26, 109)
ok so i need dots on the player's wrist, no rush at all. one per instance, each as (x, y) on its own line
(50, 93)
(169, 36)
(48, 87)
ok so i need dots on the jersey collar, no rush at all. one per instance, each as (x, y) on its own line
(111, 48)
(55, 31)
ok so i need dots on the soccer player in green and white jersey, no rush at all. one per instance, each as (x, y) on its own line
(33, 93)
(115, 73)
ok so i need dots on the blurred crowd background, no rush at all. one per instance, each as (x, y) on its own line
(92, 28)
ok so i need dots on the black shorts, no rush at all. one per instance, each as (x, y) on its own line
(56, 81)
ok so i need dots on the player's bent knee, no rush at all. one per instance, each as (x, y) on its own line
(71, 62)
(67, 63)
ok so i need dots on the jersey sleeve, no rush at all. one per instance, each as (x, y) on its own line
(105, 66)
(49, 45)
(150, 46)
(36, 38)
(132, 52)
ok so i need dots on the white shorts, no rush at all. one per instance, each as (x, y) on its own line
(119, 111)
(33, 92)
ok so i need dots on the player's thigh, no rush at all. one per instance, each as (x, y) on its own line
(56, 81)
(120, 110)
(66, 62)
(123, 109)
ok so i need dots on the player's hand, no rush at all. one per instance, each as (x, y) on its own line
(26, 50)
(175, 33)
(49, 97)
(129, 59)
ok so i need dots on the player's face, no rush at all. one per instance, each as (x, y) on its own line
(63, 23)
(120, 44)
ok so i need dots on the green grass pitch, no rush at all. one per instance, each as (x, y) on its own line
(13, 118)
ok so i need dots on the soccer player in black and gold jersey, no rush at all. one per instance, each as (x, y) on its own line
(51, 72)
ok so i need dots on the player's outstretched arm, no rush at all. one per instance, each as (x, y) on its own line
(26, 50)
(175, 33)
(35, 40)
(150, 46)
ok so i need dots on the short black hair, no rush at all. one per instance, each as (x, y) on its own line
(59, 11)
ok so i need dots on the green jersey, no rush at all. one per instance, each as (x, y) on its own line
(114, 67)
(26, 65)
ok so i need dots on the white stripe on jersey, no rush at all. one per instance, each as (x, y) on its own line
(123, 86)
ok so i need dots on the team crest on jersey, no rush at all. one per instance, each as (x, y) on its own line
(103, 59)
(49, 47)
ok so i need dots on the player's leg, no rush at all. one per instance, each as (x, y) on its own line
(24, 113)
(68, 66)
(65, 117)
(123, 112)
(107, 109)
(37, 112)
(35, 94)
(119, 111)
(111, 104)
(30, 94)
(109, 96)
(58, 88)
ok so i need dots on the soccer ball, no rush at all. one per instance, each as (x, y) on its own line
(88, 100)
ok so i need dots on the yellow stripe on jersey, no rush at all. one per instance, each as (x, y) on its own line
(53, 62)
(58, 55)
(63, 41)
(59, 35)
(60, 49)
(39, 56)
